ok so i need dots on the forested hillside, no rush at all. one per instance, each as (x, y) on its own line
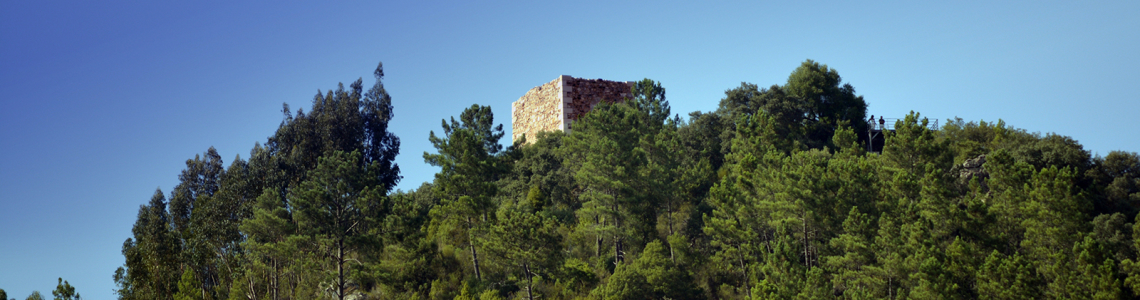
(773, 195)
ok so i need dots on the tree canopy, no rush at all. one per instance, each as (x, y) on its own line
(769, 196)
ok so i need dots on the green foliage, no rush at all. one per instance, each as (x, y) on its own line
(237, 227)
(35, 296)
(1118, 183)
(528, 241)
(152, 255)
(606, 150)
(468, 155)
(771, 196)
(664, 278)
(649, 98)
(189, 288)
(1002, 277)
(334, 207)
(63, 291)
(806, 110)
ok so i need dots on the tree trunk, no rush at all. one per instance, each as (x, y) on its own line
(671, 257)
(806, 259)
(617, 250)
(803, 221)
(475, 260)
(471, 245)
(276, 278)
(618, 257)
(598, 248)
(890, 290)
(529, 281)
(598, 237)
(744, 270)
(252, 290)
(669, 218)
(771, 235)
(340, 268)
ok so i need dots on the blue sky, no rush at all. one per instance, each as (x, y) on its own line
(101, 102)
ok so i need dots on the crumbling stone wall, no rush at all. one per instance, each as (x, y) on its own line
(540, 109)
(556, 104)
(583, 94)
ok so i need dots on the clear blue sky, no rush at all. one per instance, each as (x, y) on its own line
(101, 103)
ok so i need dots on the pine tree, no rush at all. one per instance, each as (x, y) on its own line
(337, 207)
(63, 291)
(468, 157)
(527, 241)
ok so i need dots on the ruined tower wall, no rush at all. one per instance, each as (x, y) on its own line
(583, 94)
(554, 105)
(540, 109)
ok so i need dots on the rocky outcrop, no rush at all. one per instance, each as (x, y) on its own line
(972, 168)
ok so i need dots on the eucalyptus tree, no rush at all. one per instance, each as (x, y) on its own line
(347, 129)
(152, 255)
(207, 206)
(341, 119)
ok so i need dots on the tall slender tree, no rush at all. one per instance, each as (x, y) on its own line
(605, 151)
(152, 255)
(468, 156)
(335, 207)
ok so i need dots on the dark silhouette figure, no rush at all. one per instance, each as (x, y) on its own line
(882, 124)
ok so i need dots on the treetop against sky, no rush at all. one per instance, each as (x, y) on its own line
(105, 102)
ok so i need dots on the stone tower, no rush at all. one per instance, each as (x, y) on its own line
(556, 104)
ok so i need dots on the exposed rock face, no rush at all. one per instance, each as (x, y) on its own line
(556, 104)
(973, 168)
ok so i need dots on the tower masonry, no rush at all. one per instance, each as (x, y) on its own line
(556, 104)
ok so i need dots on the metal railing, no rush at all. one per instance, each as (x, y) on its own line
(889, 124)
